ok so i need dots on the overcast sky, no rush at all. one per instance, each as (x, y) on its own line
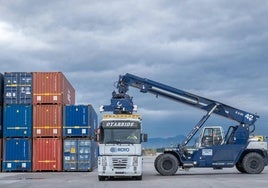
(216, 49)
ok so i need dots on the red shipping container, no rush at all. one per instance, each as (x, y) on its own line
(52, 88)
(47, 154)
(47, 120)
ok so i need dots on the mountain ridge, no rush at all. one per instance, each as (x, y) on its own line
(158, 142)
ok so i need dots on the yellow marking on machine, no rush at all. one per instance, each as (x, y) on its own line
(121, 116)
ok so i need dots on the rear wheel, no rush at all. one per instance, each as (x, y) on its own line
(167, 164)
(253, 163)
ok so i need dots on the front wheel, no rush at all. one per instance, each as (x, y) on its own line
(167, 164)
(253, 163)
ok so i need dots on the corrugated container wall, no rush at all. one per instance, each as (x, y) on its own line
(94, 121)
(79, 121)
(78, 154)
(47, 120)
(47, 154)
(18, 88)
(95, 154)
(17, 121)
(17, 154)
(52, 88)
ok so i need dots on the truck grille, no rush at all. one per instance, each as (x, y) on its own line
(119, 163)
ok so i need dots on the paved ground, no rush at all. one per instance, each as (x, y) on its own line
(226, 178)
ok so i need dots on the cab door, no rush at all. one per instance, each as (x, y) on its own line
(211, 136)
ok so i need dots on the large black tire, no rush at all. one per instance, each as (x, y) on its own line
(156, 160)
(167, 164)
(253, 163)
(240, 168)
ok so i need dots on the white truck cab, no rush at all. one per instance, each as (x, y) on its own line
(120, 150)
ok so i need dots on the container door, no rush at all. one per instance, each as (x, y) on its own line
(84, 155)
(70, 155)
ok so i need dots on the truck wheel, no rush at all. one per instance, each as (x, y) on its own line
(240, 168)
(156, 160)
(101, 178)
(167, 164)
(253, 163)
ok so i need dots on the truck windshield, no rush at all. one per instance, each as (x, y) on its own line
(121, 136)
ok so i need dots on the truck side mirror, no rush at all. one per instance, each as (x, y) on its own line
(144, 137)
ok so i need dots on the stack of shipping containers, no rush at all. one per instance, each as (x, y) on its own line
(41, 128)
(17, 122)
(51, 91)
(79, 148)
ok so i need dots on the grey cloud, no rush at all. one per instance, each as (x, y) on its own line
(217, 49)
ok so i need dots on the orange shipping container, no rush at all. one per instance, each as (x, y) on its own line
(47, 120)
(52, 88)
(47, 154)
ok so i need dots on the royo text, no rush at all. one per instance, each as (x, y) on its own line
(114, 149)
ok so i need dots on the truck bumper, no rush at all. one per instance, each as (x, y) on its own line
(120, 166)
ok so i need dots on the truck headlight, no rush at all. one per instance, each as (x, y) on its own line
(104, 161)
(135, 161)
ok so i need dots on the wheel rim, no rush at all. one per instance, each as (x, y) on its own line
(254, 164)
(167, 164)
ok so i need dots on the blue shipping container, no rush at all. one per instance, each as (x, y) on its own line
(79, 121)
(85, 151)
(17, 121)
(94, 121)
(17, 154)
(95, 154)
(18, 88)
(78, 155)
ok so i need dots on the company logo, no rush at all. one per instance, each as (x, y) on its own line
(119, 104)
(120, 124)
(114, 149)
